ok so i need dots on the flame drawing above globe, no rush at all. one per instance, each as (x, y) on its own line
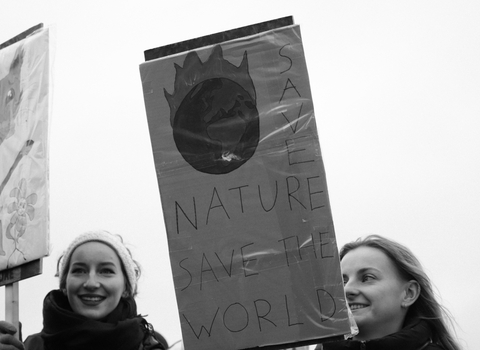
(213, 113)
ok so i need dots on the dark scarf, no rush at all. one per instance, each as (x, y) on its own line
(412, 337)
(63, 329)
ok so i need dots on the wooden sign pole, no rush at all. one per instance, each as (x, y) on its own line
(10, 278)
(11, 306)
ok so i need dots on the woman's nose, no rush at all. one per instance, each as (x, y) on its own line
(91, 282)
(350, 289)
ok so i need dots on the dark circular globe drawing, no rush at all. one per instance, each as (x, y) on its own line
(216, 127)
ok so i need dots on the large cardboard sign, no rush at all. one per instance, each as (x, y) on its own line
(24, 111)
(250, 231)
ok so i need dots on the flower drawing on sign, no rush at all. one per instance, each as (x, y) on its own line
(22, 207)
(23, 211)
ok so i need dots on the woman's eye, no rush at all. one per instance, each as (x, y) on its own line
(107, 271)
(367, 278)
(77, 271)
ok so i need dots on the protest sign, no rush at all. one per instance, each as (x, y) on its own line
(243, 189)
(24, 113)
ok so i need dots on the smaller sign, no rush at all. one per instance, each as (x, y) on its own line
(24, 116)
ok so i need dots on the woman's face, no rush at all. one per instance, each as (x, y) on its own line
(95, 281)
(374, 291)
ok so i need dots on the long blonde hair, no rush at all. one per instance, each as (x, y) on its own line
(426, 307)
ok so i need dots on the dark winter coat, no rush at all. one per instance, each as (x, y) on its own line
(122, 329)
(415, 337)
(35, 342)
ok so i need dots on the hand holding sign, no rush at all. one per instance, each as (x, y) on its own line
(7, 339)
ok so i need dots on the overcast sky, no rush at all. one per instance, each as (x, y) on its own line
(395, 86)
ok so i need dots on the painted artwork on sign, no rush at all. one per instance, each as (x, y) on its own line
(215, 124)
(244, 195)
(24, 108)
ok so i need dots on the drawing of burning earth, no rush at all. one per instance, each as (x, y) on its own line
(213, 113)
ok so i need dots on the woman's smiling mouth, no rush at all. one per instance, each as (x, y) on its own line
(354, 307)
(91, 299)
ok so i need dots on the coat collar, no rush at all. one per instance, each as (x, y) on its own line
(415, 336)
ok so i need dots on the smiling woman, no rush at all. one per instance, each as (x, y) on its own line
(94, 307)
(95, 281)
(391, 299)
(377, 293)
